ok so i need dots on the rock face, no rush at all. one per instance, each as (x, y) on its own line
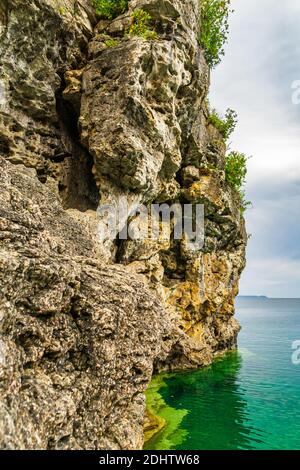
(77, 338)
(39, 42)
(89, 114)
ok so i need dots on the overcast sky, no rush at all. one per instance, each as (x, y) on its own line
(255, 78)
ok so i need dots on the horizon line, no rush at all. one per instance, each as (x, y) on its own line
(265, 296)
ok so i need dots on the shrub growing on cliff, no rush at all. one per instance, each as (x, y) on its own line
(140, 26)
(214, 29)
(244, 203)
(224, 125)
(236, 169)
(110, 8)
(236, 172)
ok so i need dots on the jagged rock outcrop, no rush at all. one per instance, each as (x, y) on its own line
(39, 41)
(85, 120)
(144, 120)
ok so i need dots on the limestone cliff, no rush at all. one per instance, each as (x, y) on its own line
(89, 113)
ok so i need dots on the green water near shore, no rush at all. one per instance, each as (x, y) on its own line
(249, 399)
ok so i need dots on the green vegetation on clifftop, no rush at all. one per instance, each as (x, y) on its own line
(214, 29)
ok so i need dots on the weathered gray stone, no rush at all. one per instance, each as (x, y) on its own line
(140, 100)
(39, 41)
(144, 118)
(82, 118)
(77, 337)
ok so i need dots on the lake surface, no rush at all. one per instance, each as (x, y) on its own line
(250, 399)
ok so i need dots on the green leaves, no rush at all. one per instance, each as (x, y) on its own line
(110, 9)
(140, 26)
(111, 42)
(224, 125)
(236, 172)
(236, 169)
(214, 29)
(235, 163)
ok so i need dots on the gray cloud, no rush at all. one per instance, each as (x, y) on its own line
(262, 60)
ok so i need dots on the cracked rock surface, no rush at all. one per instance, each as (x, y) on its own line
(77, 338)
(85, 120)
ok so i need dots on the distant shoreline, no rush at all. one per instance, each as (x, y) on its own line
(264, 297)
(252, 297)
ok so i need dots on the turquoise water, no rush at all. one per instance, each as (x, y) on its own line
(248, 400)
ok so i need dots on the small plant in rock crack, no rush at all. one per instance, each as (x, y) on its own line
(62, 11)
(226, 124)
(214, 29)
(110, 9)
(140, 26)
(235, 173)
(111, 42)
